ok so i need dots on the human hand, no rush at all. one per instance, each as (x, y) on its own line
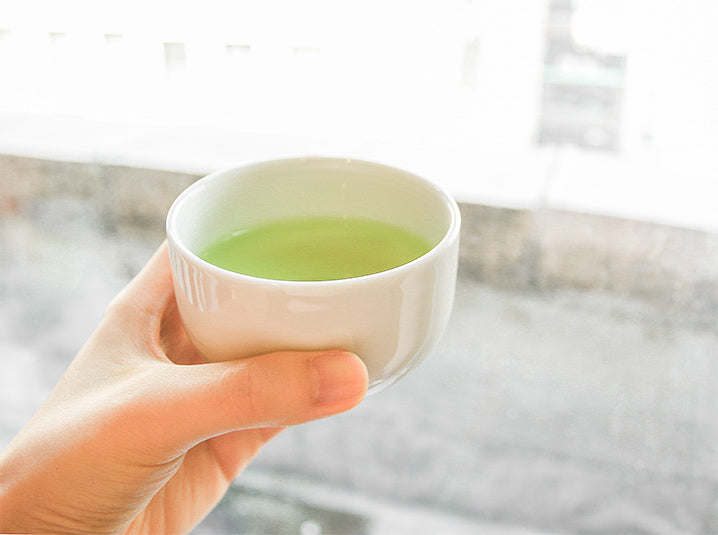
(141, 435)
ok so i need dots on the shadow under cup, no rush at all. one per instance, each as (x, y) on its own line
(391, 319)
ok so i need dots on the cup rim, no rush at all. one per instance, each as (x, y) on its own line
(448, 238)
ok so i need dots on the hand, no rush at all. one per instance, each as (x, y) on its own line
(141, 435)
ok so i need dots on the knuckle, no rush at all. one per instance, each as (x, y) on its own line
(274, 391)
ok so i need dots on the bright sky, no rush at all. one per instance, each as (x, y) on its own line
(422, 78)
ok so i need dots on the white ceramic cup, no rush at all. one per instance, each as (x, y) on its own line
(391, 319)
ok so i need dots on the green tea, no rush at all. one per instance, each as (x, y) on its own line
(316, 248)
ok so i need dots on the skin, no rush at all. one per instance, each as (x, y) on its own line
(142, 435)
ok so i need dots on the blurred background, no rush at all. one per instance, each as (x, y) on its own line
(576, 389)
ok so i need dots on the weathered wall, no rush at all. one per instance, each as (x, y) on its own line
(526, 250)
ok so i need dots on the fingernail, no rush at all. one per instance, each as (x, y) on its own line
(340, 376)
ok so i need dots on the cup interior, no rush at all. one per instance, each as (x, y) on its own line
(223, 202)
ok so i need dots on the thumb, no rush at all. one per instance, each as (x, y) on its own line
(273, 390)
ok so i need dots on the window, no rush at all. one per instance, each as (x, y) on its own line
(175, 57)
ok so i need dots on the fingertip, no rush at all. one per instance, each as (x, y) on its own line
(150, 290)
(341, 381)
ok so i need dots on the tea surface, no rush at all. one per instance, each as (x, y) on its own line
(316, 248)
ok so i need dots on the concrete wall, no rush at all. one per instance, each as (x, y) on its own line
(527, 250)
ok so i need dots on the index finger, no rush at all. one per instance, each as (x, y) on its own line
(148, 293)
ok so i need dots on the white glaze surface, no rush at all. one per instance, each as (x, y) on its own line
(390, 319)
